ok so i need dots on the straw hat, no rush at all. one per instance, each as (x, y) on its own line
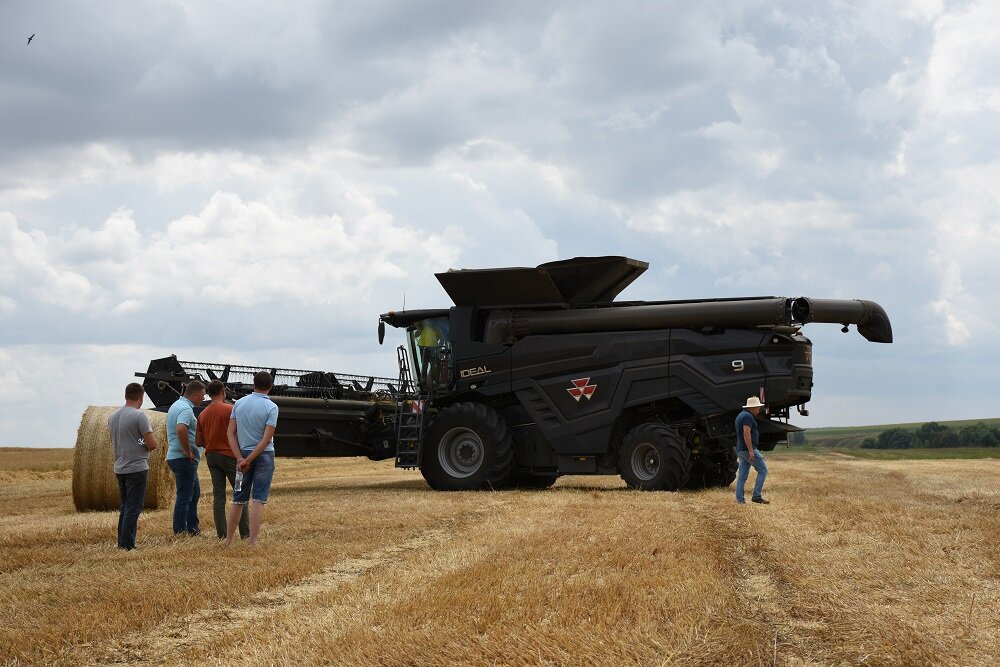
(753, 402)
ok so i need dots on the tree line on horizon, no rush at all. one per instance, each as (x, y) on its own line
(935, 435)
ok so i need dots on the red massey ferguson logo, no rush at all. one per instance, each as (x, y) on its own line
(582, 389)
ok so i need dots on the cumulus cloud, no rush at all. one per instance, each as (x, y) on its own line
(29, 273)
(316, 249)
(239, 257)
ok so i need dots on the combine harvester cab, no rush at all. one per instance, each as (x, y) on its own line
(537, 372)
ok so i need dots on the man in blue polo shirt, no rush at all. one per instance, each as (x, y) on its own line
(183, 456)
(747, 453)
(251, 438)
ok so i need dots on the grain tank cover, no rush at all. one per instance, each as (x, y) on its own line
(567, 282)
(593, 279)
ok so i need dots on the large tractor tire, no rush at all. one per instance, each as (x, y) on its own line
(716, 470)
(704, 473)
(468, 446)
(730, 466)
(654, 458)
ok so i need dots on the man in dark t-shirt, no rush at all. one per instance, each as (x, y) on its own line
(747, 452)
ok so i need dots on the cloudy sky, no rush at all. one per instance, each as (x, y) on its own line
(255, 182)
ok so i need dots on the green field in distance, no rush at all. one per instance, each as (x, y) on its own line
(848, 439)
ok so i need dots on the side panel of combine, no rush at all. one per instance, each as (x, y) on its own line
(480, 367)
(582, 394)
(574, 386)
(715, 372)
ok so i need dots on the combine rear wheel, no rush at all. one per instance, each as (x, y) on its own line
(715, 470)
(704, 473)
(468, 446)
(730, 466)
(653, 457)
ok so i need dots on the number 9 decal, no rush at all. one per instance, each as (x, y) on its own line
(738, 365)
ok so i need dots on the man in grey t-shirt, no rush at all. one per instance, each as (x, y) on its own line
(133, 440)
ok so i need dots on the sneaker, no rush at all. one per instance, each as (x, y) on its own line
(761, 501)
(741, 502)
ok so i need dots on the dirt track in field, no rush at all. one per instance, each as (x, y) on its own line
(855, 562)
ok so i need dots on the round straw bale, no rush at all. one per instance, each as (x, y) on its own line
(95, 486)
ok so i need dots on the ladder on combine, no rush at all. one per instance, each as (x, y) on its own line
(409, 416)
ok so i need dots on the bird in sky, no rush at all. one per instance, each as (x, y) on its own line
(31, 38)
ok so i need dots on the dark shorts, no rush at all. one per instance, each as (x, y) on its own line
(256, 480)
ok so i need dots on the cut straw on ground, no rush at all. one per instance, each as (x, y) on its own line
(854, 562)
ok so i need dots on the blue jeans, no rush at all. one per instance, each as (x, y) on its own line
(744, 472)
(256, 480)
(132, 488)
(188, 493)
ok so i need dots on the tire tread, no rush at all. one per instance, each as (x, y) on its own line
(493, 432)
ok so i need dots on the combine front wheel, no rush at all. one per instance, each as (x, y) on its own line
(468, 446)
(653, 457)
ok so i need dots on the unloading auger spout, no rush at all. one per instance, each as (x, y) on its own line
(870, 318)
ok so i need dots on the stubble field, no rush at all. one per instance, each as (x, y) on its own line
(855, 562)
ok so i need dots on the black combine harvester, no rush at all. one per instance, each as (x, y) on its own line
(537, 372)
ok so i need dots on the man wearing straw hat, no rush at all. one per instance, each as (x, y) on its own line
(133, 440)
(747, 453)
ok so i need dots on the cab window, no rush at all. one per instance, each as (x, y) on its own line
(430, 349)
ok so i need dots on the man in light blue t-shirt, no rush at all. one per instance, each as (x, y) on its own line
(183, 456)
(747, 453)
(251, 438)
